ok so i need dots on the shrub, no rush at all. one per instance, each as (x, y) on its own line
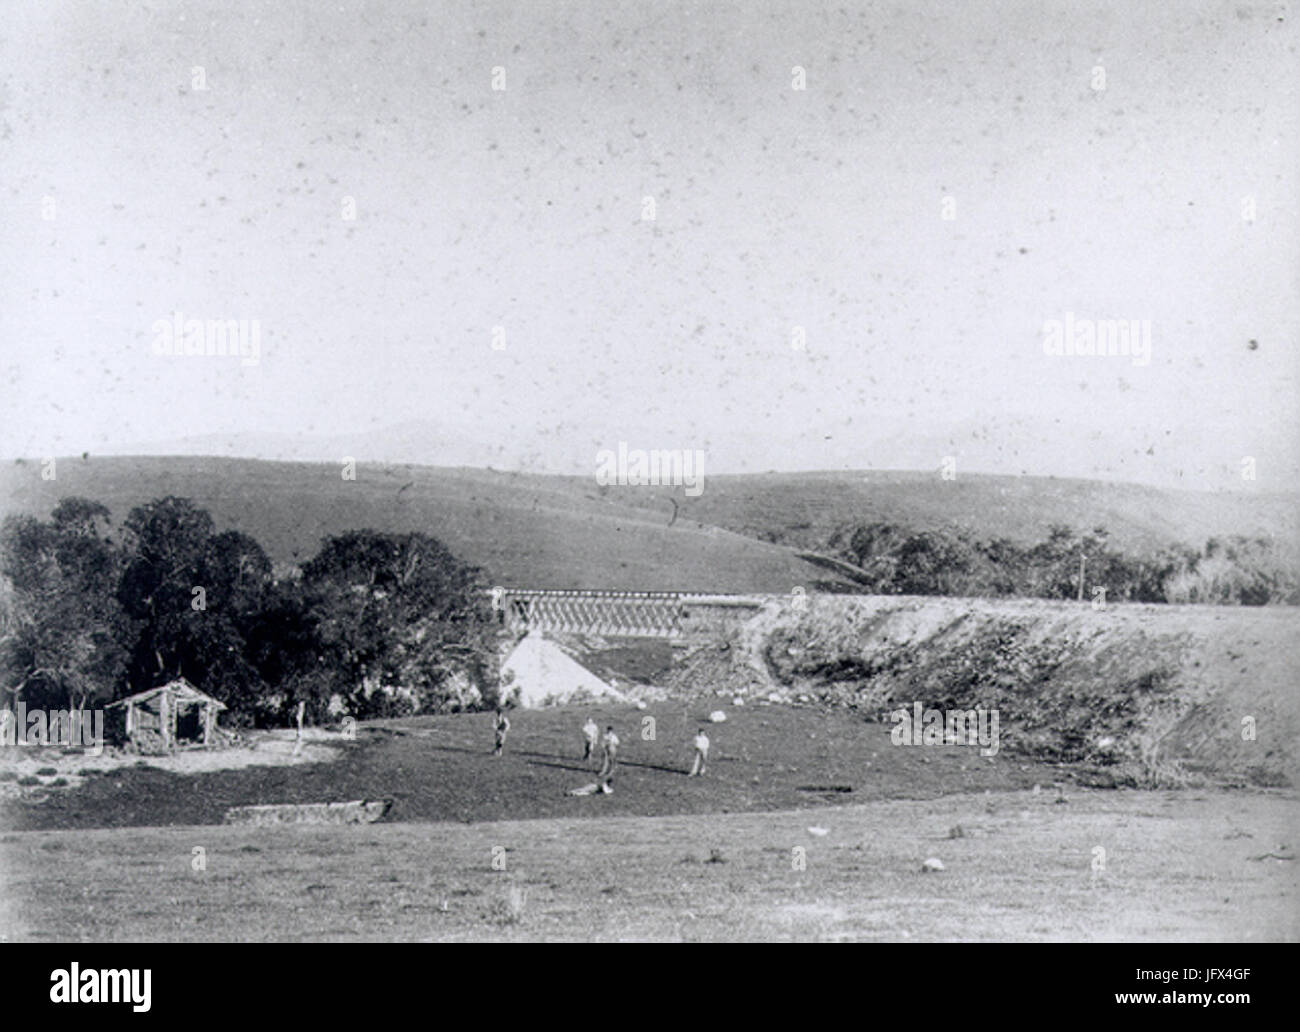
(510, 909)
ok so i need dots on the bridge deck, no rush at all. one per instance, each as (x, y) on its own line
(631, 614)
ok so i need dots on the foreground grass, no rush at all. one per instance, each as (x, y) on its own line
(442, 769)
(1177, 866)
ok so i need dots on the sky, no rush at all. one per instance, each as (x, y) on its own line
(856, 274)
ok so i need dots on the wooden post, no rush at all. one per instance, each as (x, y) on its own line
(171, 720)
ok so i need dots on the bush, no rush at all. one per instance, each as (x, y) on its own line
(510, 909)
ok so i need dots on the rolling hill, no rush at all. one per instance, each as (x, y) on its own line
(743, 534)
(523, 530)
(804, 509)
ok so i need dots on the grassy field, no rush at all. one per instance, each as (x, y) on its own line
(810, 825)
(1089, 865)
(441, 768)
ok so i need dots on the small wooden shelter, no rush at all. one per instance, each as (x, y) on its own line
(170, 716)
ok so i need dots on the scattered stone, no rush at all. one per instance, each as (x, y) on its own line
(717, 716)
(819, 832)
(932, 864)
(738, 701)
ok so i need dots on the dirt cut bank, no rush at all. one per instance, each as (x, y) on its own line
(1141, 694)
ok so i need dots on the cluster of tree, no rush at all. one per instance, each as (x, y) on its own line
(374, 624)
(899, 560)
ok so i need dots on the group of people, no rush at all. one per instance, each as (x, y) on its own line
(609, 753)
(608, 743)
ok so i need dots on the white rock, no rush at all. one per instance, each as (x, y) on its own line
(819, 832)
(640, 704)
(932, 864)
(717, 716)
(738, 701)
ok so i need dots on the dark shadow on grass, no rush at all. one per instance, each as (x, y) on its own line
(563, 766)
(651, 766)
(486, 751)
(541, 757)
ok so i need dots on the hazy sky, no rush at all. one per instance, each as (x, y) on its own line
(774, 208)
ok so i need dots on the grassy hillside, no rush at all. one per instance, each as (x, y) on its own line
(522, 530)
(803, 509)
(568, 532)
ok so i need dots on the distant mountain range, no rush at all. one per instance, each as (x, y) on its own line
(1201, 457)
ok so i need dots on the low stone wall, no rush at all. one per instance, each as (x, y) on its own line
(356, 812)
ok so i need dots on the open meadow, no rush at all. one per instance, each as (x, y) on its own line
(810, 825)
(1172, 866)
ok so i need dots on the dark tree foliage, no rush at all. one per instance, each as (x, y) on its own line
(61, 645)
(195, 595)
(386, 622)
(901, 560)
(396, 611)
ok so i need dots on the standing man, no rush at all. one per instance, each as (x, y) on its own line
(502, 728)
(606, 776)
(297, 743)
(701, 764)
(590, 735)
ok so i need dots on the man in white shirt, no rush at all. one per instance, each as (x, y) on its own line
(590, 736)
(701, 764)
